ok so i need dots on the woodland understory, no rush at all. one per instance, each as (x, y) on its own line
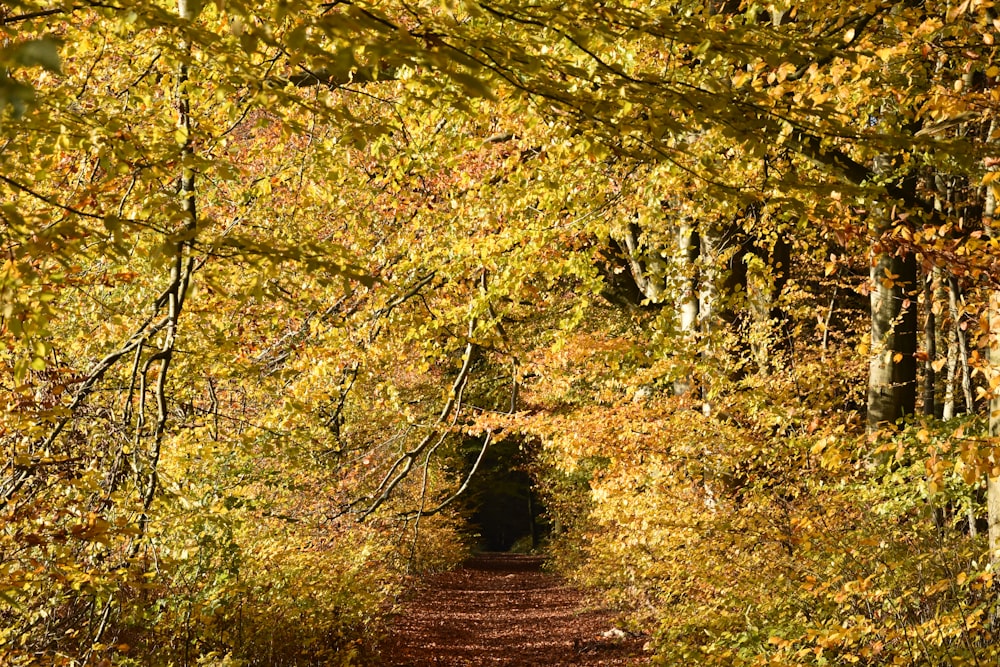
(302, 301)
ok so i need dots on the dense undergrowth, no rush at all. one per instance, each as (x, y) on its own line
(236, 570)
(735, 545)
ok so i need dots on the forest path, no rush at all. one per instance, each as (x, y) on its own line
(501, 609)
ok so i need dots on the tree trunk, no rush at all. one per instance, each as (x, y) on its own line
(948, 410)
(892, 378)
(955, 298)
(993, 383)
(993, 478)
(647, 267)
(689, 248)
(766, 275)
(930, 347)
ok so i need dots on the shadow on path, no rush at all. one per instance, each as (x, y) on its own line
(501, 609)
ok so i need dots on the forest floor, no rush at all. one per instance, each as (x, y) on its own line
(501, 609)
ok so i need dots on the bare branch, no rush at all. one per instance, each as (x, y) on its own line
(465, 484)
(8, 20)
(48, 200)
(402, 466)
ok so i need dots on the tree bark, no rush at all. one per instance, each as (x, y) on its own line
(955, 299)
(689, 244)
(951, 331)
(766, 276)
(993, 478)
(892, 378)
(648, 269)
(930, 348)
(993, 383)
(689, 249)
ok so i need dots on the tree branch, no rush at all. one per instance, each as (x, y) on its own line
(402, 466)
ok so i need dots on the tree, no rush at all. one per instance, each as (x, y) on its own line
(892, 382)
(274, 267)
(123, 423)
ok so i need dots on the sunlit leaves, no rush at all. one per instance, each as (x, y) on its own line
(387, 192)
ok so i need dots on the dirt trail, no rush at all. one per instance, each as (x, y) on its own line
(501, 609)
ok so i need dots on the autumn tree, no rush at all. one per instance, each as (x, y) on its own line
(272, 268)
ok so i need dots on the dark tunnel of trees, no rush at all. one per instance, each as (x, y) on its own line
(503, 510)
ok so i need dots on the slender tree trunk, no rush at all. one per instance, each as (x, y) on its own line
(892, 379)
(689, 245)
(766, 277)
(951, 331)
(955, 299)
(930, 347)
(993, 478)
(993, 382)
(689, 248)
(181, 271)
(647, 267)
